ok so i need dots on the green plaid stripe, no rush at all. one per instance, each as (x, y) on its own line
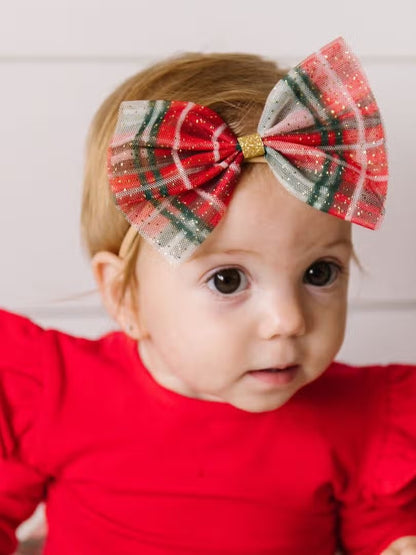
(326, 186)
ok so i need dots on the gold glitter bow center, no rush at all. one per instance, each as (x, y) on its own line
(251, 145)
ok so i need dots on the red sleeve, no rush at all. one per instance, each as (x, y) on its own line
(22, 483)
(383, 507)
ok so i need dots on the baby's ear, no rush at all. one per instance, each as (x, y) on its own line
(107, 269)
(108, 273)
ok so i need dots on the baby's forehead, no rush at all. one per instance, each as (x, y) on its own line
(273, 226)
(263, 211)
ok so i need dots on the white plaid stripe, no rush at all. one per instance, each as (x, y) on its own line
(176, 143)
(361, 134)
(215, 142)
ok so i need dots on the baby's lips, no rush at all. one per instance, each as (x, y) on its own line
(277, 368)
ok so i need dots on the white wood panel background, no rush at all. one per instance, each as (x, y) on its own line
(58, 61)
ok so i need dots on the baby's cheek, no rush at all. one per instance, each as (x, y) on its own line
(327, 323)
(402, 546)
(326, 342)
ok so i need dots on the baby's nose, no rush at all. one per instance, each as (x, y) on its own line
(283, 315)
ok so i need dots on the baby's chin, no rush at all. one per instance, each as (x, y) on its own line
(263, 404)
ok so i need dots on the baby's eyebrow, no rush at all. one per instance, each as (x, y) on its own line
(337, 242)
(200, 255)
(223, 251)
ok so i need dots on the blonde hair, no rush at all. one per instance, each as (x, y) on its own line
(234, 85)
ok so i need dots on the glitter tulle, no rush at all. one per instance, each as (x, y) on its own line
(173, 165)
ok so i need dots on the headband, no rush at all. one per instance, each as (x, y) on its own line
(173, 165)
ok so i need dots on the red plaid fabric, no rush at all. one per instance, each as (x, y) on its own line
(173, 166)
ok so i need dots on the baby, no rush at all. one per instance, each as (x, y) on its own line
(217, 421)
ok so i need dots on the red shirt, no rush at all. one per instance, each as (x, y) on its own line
(126, 466)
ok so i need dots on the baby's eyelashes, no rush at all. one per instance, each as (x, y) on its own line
(322, 273)
(228, 281)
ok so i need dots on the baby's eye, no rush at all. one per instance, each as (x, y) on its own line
(321, 273)
(228, 281)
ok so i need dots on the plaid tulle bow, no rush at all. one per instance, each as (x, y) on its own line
(173, 165)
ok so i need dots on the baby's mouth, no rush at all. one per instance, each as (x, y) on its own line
(277, 375)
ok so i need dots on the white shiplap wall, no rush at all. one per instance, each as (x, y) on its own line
(58, 61)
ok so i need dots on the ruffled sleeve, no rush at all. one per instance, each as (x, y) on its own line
(22, 482)
(383, 507)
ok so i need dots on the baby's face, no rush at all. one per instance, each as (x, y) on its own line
(259, 311)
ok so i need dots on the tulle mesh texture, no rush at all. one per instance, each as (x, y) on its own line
(173, 165)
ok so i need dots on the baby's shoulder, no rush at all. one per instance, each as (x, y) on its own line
(369, 411)
(56, 388)
(347, 384)
(51, 356)
(362, 402)
(20, 341)
(370, 394)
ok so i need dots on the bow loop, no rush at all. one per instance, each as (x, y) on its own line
(324, 137)
(161, 148)
(172, 167)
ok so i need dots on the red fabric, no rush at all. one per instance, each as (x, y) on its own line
(129, 467)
